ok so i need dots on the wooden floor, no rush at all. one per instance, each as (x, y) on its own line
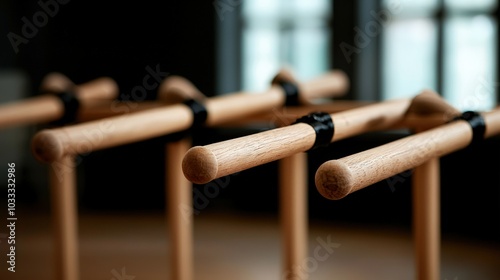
(134, 246)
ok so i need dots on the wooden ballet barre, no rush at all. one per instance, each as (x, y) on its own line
(62, 175)
(47, 107)
(59, 145)
(174, 89)
(51, 144)
(336, 179)
(203, 164)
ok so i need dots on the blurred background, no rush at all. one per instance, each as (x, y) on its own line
(388, 49)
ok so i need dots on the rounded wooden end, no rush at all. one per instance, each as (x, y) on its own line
(98, 89)
(46, 147)
(430, 102)
(199, 165)
(176, 89)
(56, 82)
(333, 180)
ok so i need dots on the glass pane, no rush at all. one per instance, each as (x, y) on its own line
(260, 8)
(470, 56)
(296, 36)
(409, 58)
(409, 7)
(471, 5)
(310, 55)
(311, 7)
(260, 57)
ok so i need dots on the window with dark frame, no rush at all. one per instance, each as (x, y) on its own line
(448, 46)
(445, 45)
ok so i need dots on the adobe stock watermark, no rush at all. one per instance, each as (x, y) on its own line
(282, 117)
(323, 250)
(201, 199)
(122, 275)
(223, 6)
(150, 81)
(372, 28)
(30, 28)
(398, 179)
(422, 151)
(482, 92)
(91, 138)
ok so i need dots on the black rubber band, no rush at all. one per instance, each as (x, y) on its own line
(291, 93)
(200, 113)
(476, 121)
(71, 105)
(323, 125)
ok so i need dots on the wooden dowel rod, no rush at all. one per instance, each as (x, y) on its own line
(113, 108)
(38, 109)
(64, 207)
(426, 219)
(203, 164)
(47, 107)
(172, 90)
(337, 178)
(55, 82)
(287, 116)
(335, 82)
(227, 108)
(179, 212)
(102, 88)
(293, 205)
(176, 89)
(50, 144)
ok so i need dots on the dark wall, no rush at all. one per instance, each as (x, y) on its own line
(89, 39)
(125, 41)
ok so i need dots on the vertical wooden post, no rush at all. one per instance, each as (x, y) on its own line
(426, 219)
(179, 211)
(62, 176)
(293, 204)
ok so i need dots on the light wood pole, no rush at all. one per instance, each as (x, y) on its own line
(288, 145)
(62, 176)
(179, 212)
(51, 145)
(47, 107)
(203, 164)
(293, 212)
(336, 179)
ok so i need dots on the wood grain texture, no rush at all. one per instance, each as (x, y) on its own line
(337, 178)
(51, 144)
(205, 163)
